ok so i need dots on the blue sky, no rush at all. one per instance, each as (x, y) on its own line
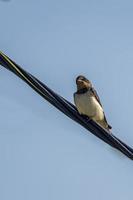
(45, 155)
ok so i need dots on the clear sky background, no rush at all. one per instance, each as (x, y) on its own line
(43, 154)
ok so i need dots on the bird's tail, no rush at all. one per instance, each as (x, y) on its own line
(104, 124)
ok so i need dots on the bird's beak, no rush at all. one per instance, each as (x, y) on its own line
(81, 84)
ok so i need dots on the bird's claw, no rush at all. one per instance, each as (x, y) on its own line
(88, 119)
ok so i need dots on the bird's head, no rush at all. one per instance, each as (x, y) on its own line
(83, 82)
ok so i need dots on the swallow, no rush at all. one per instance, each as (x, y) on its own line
(88, 102)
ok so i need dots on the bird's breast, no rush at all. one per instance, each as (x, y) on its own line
(88, 105)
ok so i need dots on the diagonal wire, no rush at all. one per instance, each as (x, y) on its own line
(17, 71)
(65, 106)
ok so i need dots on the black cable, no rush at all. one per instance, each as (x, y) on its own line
(65, 106)
(61, 100)
(21, 77)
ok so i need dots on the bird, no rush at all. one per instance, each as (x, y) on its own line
(88, 102)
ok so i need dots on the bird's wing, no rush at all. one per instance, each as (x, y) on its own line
(74, 97)
(98, 99)
(96, 96)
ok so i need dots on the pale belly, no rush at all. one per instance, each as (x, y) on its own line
(89, 106)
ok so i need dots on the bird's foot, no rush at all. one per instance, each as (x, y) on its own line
(88, 119)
